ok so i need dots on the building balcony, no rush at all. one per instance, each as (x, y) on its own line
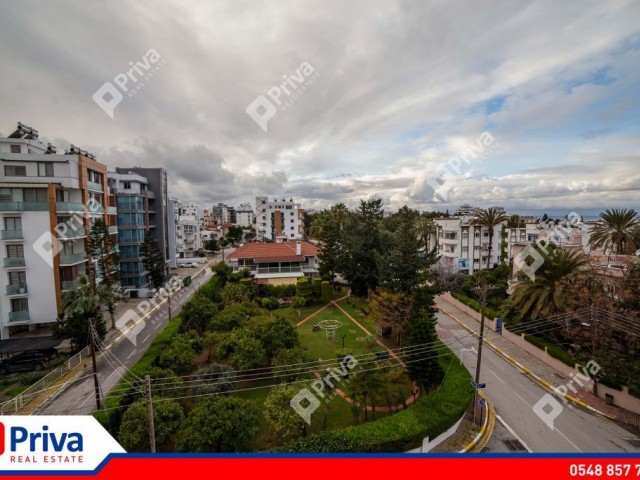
(112, 210)
(11, 262)
(276, 269)
(23, 207)
(73, 233)
(19, 289)
(73, 259)
(69, 207)
(96, 210)
(113, 229)
(449, 254)
(11, 235)
(70, 284)
(95, 186)
(21, 316)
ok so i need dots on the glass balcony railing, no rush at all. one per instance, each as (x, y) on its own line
(70, 284)
(11, 235)
(18, 289)
(94, 186)
(14, 262)
(73, 258)
(113, 229)
(69, 207)
(73, 233)
(24, 206)
(112, 210)
(18, 316)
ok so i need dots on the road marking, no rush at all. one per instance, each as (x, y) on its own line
(87, 399)
(131, 354)
(146, 338)
(513, 433)
(497, 377)
(157, 326)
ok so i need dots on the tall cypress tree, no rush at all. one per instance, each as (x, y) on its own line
(153, 260)
(423, 368)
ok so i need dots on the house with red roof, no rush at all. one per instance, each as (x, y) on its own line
(276, 263)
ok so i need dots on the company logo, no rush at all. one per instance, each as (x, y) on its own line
(261, 110)
(31, 446)
(108, 96)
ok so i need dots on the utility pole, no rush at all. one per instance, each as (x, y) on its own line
(152, 430)
(483, 292)
(169, 302)
(92, 339)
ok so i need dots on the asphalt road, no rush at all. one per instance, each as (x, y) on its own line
(79, 397)
(518, 428)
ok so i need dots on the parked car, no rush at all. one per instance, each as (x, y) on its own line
(435, 308)
(27, 361)
(189, 265)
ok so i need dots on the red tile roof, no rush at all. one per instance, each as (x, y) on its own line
(283, 252)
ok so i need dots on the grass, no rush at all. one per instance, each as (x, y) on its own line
(356, 306)
(291, 314)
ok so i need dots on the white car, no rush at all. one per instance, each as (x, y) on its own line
(189, 265)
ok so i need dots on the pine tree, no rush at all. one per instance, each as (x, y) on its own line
(153, 260)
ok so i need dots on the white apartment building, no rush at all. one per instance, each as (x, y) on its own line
(279, 218)
(244, 215)
(464, 245)
(189, 229)
(48, 202)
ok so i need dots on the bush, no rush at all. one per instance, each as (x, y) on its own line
(277, 291)
(327, 294)
(554, 350)
(430, 416)
(470, 302)
(298, 302)
(316, 287)
(303, 289)
(269, 303)
(222, 271)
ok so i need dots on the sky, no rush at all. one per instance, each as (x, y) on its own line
(527, 105)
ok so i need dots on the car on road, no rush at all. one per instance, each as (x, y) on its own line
(26, 361)
(190, 265)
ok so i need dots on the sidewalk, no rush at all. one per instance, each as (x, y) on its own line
(535, 365)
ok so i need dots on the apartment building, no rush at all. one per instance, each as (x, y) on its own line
(279, 218)
(188, 229)
(48, 202)
(223, 213)
(156, 207)
(464, 245)
(244, 215)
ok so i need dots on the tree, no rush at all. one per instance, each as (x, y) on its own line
(362, 242)
(235, 233)
(552, 291)
(214, 379)
(179, 354)
(328, 227)
(219, 424)
(80, 308)
(423, 368)
(212, 245)
(282, 361)
(108, 265)
(243, 349)
(197, 313)
(278, 413)
(277, 334)
(222, 271)
(236, 293)
(426, 228)
(298, 301)
(134, 428)
(402, 265)
(233, 316)
(153, 260)
(490, 218)
(617, 231)
(391, 309)
(303, 289)
(327, 292)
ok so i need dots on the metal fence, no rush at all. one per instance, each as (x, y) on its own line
(627, 417)
(19, 401)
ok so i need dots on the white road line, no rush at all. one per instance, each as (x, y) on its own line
(87, 399)
(497, 377)
(131, 354)
(157, 326)
(500, 419)
(146, 338)
(110, 375)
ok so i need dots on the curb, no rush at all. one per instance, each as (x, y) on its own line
(486, 432)
(543, 383)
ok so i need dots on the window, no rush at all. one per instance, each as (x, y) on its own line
(292, 220)
(19, 305)
(15, 148)
(17, 278)
(15, 171)
(13, 223)
(126, 185)
(35, 195)
(291, 228)
(45, 169)
(95, 177)
(62, 195)
(15, 251)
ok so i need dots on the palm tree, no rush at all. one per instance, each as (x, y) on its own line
(426, 227)
(554, 287)
(83, 302)
(489, 218)
(617, 231)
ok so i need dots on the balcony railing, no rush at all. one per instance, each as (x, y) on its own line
(73, 258)
(19, 316)
(11, 235)
(113, 229)
(14, 262)
(112, 210)
(73, 233)
(70, 284)
(18, 289)
(69, 207)
(278, 270)
(95, 186)
(24, 206)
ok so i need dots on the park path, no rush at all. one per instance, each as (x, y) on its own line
(318, 311)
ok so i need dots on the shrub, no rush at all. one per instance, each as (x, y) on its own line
(470, 302)
(303, 289)
(316, 287)
(214, 379)
(269, 303)
(298, 302)
(554, 350)
(327, 294)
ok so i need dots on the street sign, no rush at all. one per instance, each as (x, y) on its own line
(482, 402)
(478, 385)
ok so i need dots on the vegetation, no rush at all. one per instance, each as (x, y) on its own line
(618, 231)
(153, 260)
(81, 308)
(490, 218)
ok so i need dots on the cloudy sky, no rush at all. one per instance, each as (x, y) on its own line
(431, 103)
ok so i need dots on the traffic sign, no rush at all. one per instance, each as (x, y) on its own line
(478, 385)
(482, 402)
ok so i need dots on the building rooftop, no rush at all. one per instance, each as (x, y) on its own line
(277, 252)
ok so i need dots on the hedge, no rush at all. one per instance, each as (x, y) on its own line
(470, 302)
(432, 414)
(554, 350)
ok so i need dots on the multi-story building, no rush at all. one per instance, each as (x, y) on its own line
(136, 205)
(188, 230)
(48, 202)
(244, 216)
(173, 211)
(465, 245)
(261, 217)
(223, 213)
(208, 222)
(279, 218)
(156, 209)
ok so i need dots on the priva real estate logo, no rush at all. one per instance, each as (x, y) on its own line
(26, 446)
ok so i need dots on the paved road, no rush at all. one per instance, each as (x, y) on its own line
(514, 394)
(79, 397)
